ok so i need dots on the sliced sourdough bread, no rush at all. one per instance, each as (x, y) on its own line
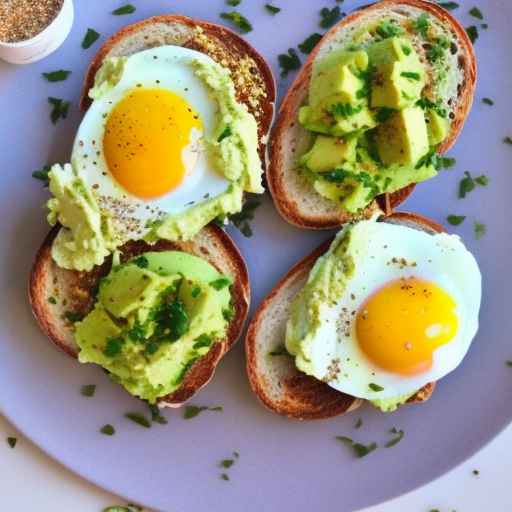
(252, 77)
(274, 378)
(59, 296)
(294, 197)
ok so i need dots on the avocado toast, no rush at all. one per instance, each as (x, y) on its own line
(350, 137)
(68, 299)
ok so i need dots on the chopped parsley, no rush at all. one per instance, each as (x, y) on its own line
(389, 28)
(360, 450)
(227, 132)
(156, 416)
(52, 300)
(59, 110)
(468, 184)
(228, 313)
(358, 423)
(507, 140)
(344, 109)
(437, 49)
(375, 387)
(141, 262)
(449, 6)
(241, 219)
(328, 17)
(138, 418)
(125, 9)
(445, 162)
(421, 25)
(114, 346)
(508, 363)
(476, 472)
(425, 104)
(57, 76)
(226, 463)
(280, 350)
(411, 75)
(202, 341)
(233, 3)
(482, 180)
(288, 61)
(11, 441)
(220, 283)
(384, 113)
(224, 476)
(310, 42)
(472, 32)
(238, 20)
(479, 229)
(191, 411)
(488, 101)
(73, 316)
(456, 220)
(195, 292)
(272, 9)
(399, 434)
(42, 175)
(476, 13)
(91, 36)
(88, 390)
(108, 430)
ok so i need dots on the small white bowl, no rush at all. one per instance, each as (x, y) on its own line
(42, 44)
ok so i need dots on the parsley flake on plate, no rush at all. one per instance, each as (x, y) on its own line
(60, 109)
(88, 390)
(479, 229)
(472, 32)
(42, 175)
(328, 17)
(455, 220)
(272, 9)
(11, 441)
(56, 76)
(108, 430)
(399, 434)
(449, 6)
(360, 450)
(310, 42)
(375, 387)
(488, 101)
(288, 62)
(238, 20)
(191, 411)
(125, 9)
(138, 418)
(91, 36)
(476, 13)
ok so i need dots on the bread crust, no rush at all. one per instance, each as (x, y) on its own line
(287, 118)
(305, 397)
(212, 244)
(225, 40)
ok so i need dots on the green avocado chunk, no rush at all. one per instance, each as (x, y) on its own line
(437, 127)
(154, 317)
(328, 153)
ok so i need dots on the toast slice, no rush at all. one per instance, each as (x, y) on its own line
(59, 296)
(252, 77)
(294, 197)
(274, 378)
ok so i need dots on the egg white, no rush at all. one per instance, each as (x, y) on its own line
(441, 259)
(171, 67)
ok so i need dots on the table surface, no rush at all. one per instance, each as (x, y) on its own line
(26, 467)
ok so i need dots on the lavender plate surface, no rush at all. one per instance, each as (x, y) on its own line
(283, 464)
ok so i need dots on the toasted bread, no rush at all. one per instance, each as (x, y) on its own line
(294, 197)
(74, 292)
(252, 77)
(274, 378)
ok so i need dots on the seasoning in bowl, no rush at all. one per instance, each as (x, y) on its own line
(21, 20)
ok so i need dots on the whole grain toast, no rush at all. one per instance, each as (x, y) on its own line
(294, 197)
(59, 296)
(252, 77)
(274, 378)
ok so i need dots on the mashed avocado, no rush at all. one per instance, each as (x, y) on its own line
(154, 317)
(373, 124)
(91, 230)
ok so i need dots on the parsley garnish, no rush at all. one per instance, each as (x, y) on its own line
(360, 450)
(456, 220)
(226, 463)
(60, 109)
(108, 430)
(202, 341)
(233, 3)
(90, 38)
(449, 6)
(508, 363)
(288, 61)
(310, 42)
(228, 313)
(191, 411)
(476, 13)
(224, 476)
(42, 175)
(52, 300)
(421, 25)
(272, 9)
(425, 104)
(328, 17)
(472, 32)
(476, 472)
(358, 423)
(195, 292)
(73, 316)
(138, 418)
(468, 184)
(389, 29)
(436, 51)
(227, 132)
(507, 140)
(399, 434)
(220, 283)
(88, 390)
(375, 387)
(114, 346)
(141, 262)
(488, 101)
(125, 9)
(11, 441)
(444, 162)
(238, 20)
(156, 416)
(479, 229)
(482, 180)
(406, 49)
(384, 113)
(57, 76)
(241, 219)
(344, 109)
(280, 350)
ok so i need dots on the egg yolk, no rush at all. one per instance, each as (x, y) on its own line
(400, 326)
(144, 138)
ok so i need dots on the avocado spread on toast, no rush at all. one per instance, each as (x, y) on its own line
(154, 317)
(374, 115)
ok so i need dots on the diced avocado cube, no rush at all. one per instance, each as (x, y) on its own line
(318, 126)
(389, 50)
(328, 153)
(437, 127)
(403, 138)
(362, 120)
(97, 325)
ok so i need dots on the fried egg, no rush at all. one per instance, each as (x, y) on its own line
(407, 315)
(141, 144)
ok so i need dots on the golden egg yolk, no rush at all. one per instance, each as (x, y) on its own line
(399, 326)
(144, 138)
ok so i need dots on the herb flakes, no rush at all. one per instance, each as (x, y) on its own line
(449, 6)
(479, 229)
(456, 220)
(108, 430)
(328, 17)
(468, 183)
(220, 283)
(375, 387)
(11, 441)
(310, 42)
(422, 24)
(59, 110)
(399, 434)
(507, 140)
(238, 20)
(56, 76)
(476, 13)
(138, 418)
(272, 9)
(472, 32)
(358, 423)
(360, 450)
(125, 9)
(233, 3)
(488, 101)
(241, 219)
(224, 476)
(156, 416)
(42, 175)
(91, 36)
(191, 411)
(88, 390)
(288, 62)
